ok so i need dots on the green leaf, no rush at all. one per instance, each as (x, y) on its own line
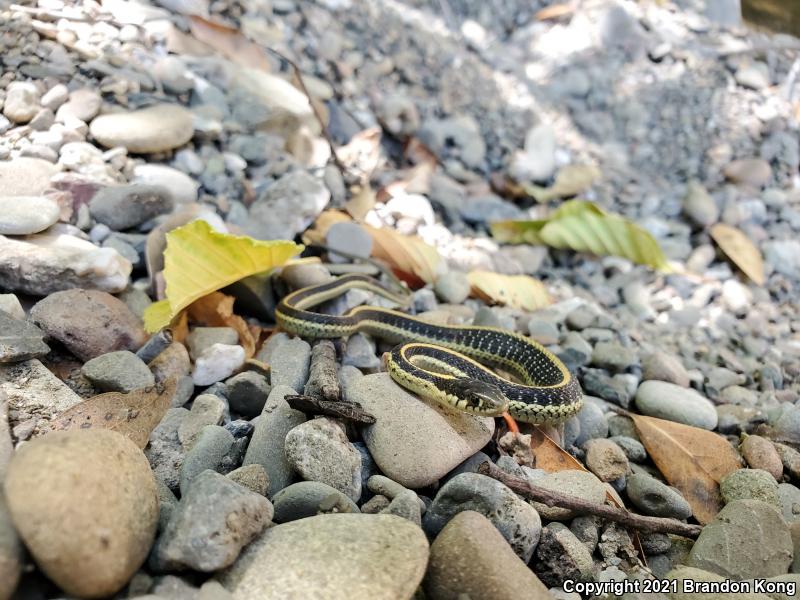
(199, 260)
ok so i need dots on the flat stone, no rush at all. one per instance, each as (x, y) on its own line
(89, 322)
(471, 558)
(23, 215)
(655, 498)
(699, 206)
(665, 367)
(165, 451)
(25, 176)
(760, 453)
(605, 459)
(755, 172)
(367, 557)
(288, 359)
(20, 340)
(120, 371)
(581, 484)
(675, 403)
(253, 477)
(201, 338)
(182, 187)
(153, 129)
(308, 498)
(415, 442)
(348, 237)
(55, 262)
(209, 450)
(124, 206)
(207, 409)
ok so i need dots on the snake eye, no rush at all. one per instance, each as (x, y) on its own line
(481, 397)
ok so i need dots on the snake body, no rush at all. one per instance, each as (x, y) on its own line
(444, 362)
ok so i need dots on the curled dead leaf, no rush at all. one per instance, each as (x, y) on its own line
(216, 310)
(740, 250)
(518, 291)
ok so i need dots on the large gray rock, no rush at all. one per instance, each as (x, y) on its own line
(125, 206)
(561, 556)
(153, 129)
(675, 403)
(363, 557)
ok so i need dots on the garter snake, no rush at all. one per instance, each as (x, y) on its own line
(442, 362)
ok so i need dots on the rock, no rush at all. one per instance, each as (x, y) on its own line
(10, 304)
(469, 558)
(217, 362)
(699, 206)
(655, 498)
(25, 176)
(537, 162)
(23, 215)
(182, 188)
(202, 338)
(210, 448)
(20, 340)
(761, 454)
(561, 556)
(11, 553)
(515, 519)
(754, 75)
(744, 484)
(207, 409)
(124, 206)
(415, 442)
(165, 452)
(287, 207)
(153, 129)
(581, 484)
(380, 557)
(456, 137)
(348, 237)
(214, 520)
(543, 332)
(309, 498)
(302, 275)
(267, 444)
(593, 423)
(452, 287)
(675, 403)
(253, 477)
(789, 502)
(661, 366)
(613, 356)
(120, 371)
(247, 393)
(319, 451)
(754, 172)
(783, 256)
(632, 448)
(360, 352)
(605, 459)
(173, 361)
(21, 101)
(747, 539)
(83, 104)
(173, 74)
(288, 360)
(85, 504)
(55, 262)
(405, 505)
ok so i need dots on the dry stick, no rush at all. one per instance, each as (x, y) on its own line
(552, 498)
(323, 381)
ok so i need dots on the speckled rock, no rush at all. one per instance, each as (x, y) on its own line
(789, 502)
(25, 176)
(11, 552)
(288, 359)
(561, 556)
(605, 459)
(744, 484)
(21, 340)
(581, 484)
(86, 506)
(153, 129)
(125, 206)
(253, 477)
(760, 453)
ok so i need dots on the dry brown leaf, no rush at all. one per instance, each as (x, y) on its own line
(229, 42)
(519, 291)
(216, 310)
(740, 250)
(317, 232)
(134, 414)
(550, 456)
(691, 459)
(412, 259)
(361, 202)
(555, 11)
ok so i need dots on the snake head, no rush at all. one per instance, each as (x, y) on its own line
(480, 397)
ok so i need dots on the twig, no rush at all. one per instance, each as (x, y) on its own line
(155, 345)
(323, 381)
(350, 411)
(618, 515)
(323, 125)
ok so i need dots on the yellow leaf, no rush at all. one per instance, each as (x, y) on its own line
(362, 201)
(199, 260)
(406, 254)
(317, 232)
(740, 250)
(519, 291)
(570, 181)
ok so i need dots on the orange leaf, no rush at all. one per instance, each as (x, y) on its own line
(550, 456)
(216, 310)
(230, 43)
(691, 459)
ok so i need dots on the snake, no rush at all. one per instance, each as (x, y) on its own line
(444, 363)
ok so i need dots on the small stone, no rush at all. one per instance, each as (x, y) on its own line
(253, 477)
(21, 101)
(216, 363)
(288, 359)
(537, 162)
(661, 366)
(348, 237)
(581, 484)
(55, 96)
(214, 520)
(23, 215)
(406, 505)
(632, 448)
(125, 206)
(12, 553)
(699, 206)
(744, 484)
(309, 498)
(360, 352)
(153, 129)
(750, 171)
(789, 497)
(202, 338)
(747, 539)
(753, 75)
(760, 453)
(89, 322)
(182, 188)
(20, 340)
(247, 393)
(207, 409)
(561, 556)
(514, 518)
(675, 403)
(366, 556)
(471, 558)
(302, 275)
(85, 504)
(452, 287)
(210, 448)
(605, 459)
(320, 451)
(25, 176)
(613, 356)
(83, 104)
(655, 498)
(10, 304)
(173, 361)
(593, 423)
(736, 297)
(120, 371)
(165, 451)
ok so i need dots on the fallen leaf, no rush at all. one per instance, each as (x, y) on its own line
(361, 202)
(409, 256)
(740, 250)
(134, 414)
(570, 181)
(692, 460)
(216, 310)
(317, 232)
(550, 456)
(555, 11)
(199, 260)
(230, 43)
(519, 291)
